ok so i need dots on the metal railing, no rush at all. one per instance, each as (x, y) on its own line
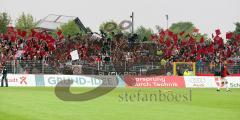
(106, 68)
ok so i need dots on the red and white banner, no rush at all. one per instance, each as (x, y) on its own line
(210, 82)
(21, 80)
(155, 81)
(130, 81)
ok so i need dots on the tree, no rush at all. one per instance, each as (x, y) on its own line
(25, 22)
(110, 27)
(144, 33)
(158, 28)
(235, 32)
(88, 29)
(179, 27)
(70, 28)
(4, 22)
(188, 28)
(237, 29)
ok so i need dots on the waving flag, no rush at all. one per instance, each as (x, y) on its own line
(218, 32)
(229, 35)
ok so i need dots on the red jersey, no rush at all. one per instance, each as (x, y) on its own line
(225, 72)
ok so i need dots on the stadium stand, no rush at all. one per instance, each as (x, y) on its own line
(39, 52)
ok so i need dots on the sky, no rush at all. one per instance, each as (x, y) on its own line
(206, 15)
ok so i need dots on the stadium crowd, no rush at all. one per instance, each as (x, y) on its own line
(163, 48)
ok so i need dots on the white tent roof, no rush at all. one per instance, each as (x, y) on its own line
(53, 21)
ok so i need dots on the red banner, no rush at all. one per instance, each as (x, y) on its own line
(155, 81)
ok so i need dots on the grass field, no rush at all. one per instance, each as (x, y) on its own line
(41, 104)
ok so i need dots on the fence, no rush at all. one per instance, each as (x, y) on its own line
(107, 68)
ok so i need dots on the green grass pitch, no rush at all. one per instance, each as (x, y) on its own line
(27, 103)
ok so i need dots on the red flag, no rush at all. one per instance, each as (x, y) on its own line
(229, 35)
(24, 33)
(184, 42)
(162, 33)
(170, 33)
(211, 48)
(196, 30)
(202, 40)
(59, 32)
(218, 32)
(215, 39)
(33, 32)
(181, 33)
(237, 36)
(10, 29)
(19, 32)
(161, 41)
(198, 56)
(60, 35)
(168, 43)
(221, 41)
(153, 37)
(191, 40)
(175, 38)
(13, 38)
(5, 37)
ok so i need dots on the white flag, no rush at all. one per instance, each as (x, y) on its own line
(74, 55)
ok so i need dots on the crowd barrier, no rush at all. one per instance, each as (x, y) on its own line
(32, 80)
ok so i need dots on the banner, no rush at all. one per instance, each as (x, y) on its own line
(21, 80)
(200, 82)
(155, 81)
(234, 82)
(82, 81)
(210, 82)
(78, 81)
(33, 80)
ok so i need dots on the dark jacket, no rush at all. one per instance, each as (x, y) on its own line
(4, 71)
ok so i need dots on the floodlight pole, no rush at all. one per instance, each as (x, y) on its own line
(167, 20)
(132, 16)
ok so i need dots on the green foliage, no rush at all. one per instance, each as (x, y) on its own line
(144, 33)
(70, 28)
(88, 29)
(25, 22)
(4, 21)
(237, 29)
(187, 27)
(54, 34)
